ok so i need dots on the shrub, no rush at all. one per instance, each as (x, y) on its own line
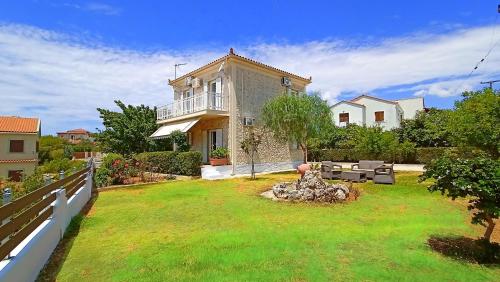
(112, 170)
(190, 163)
(163, 162)
(56, 154)
(186, 163)
(58, 165)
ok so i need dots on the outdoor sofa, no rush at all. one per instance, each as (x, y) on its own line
(376, 170)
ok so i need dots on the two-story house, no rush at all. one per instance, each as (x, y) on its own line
(372, 111)
(75, 136)
(217, 102)
(18, 146)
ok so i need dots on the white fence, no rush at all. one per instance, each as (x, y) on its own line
(29, 257)
(196, 103)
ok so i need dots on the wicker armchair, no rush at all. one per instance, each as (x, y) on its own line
(384, 174)
(329, 170)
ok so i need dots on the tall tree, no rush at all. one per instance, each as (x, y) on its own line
(476, 119)
(297, 118)
(427, 129)
(128, 132)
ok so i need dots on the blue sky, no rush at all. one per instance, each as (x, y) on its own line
(62, 59)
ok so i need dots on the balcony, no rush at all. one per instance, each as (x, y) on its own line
(194, 104)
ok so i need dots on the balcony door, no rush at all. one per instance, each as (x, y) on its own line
(187, 101)
(215, 94)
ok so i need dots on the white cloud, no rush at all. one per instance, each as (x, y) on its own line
(63, 79)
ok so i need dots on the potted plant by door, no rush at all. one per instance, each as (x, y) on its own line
(219, 156)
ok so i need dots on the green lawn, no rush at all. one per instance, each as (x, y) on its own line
(224, 231)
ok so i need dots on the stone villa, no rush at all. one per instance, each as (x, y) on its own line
(217, 102)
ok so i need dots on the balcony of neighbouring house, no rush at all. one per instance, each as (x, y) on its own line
(196, 105)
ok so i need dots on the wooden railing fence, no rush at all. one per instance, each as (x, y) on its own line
(22, 216)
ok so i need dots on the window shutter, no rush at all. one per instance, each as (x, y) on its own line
(16, 146)
(15, 175)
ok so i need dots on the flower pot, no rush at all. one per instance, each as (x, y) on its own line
(216, 162)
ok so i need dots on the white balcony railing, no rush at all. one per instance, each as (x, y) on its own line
(196, 103)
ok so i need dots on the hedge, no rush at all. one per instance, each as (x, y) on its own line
(418, 156)
(183, 163)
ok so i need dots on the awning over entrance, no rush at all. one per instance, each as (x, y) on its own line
(166, 130)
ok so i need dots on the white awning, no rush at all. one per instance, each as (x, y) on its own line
(166, 130)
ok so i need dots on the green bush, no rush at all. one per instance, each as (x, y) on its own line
(163, 162)
(185, 163)
(56, 154)
(404, 153)
(190, 163)
(58, 165)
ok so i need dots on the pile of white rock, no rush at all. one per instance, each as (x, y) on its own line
(311, 188)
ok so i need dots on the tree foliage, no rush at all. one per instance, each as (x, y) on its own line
(297, 118)
(127, 132)
(428, 129)
(180, 140)
(477, 179)
(476, 121)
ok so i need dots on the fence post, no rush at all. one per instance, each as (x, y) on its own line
(6, 198)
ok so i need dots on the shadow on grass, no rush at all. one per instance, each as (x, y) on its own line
(56, 260)
(467, 249)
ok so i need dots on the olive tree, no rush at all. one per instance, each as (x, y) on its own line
(297, 118)
(250, 145)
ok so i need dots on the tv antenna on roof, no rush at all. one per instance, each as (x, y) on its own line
(175, 69)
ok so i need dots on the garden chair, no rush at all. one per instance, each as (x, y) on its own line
(330, 170)
(384, 175)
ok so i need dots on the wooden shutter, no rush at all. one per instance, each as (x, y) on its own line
(16, 146)
(344, 117)
(379, 116)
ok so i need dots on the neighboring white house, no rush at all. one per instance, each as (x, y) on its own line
(371, 111)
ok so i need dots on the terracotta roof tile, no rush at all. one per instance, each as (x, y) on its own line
(75, 131)
(234, 55)
(19, 124)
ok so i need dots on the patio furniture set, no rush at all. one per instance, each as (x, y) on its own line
(360, 172)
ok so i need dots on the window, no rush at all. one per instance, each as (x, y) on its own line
(379, 116)
(344, 117)
(15, 175)
(37, 146)
(16, 146)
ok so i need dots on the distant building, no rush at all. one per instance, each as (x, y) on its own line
(371, 111)
(18, 146)
(75, 136)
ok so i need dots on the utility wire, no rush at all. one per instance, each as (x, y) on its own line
(492, 46)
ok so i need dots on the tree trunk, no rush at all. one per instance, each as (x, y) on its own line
(489, 228)
(252, 173)
(304, 153)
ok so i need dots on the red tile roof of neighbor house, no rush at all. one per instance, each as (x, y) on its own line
(19, 124)
(75, 131)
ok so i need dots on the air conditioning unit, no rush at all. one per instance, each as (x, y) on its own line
(188, 81)
(196, 82)
(286, 81)
(248, 121)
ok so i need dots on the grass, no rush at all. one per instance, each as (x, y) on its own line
(224, 231)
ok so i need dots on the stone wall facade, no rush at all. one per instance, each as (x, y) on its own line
(252, 90)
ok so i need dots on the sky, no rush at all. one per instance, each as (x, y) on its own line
(60, 60)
